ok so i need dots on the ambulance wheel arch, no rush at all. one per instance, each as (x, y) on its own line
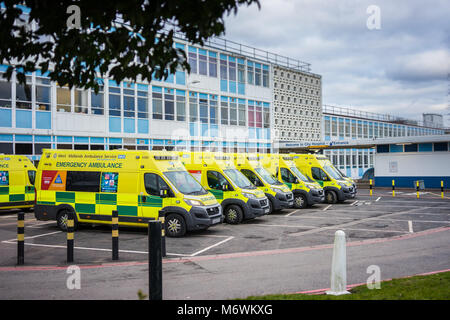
(62, 215)
(177, 221)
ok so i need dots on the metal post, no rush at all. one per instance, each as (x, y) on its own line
(417, 188)
(393, 188)
(162, 218)
(154, 260)
(370, 186)
(115, 234)
(70, 229)
(20, 238)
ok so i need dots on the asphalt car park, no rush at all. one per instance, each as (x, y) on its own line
(365, 217)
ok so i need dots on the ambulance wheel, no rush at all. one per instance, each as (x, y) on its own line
(300, 201)
(233, 214)
(271, 207)
(62, 218)
(330, 197)
(175, 225)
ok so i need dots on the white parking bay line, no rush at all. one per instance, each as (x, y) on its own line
(289, 214)
(378, 199)
(210, 247)
(410, 226)
(353, 203)
(324, 209)
(32, 237)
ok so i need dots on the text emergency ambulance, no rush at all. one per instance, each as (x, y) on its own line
(138, 184)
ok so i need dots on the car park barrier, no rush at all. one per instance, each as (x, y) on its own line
(20, 238)
(154, 260)
(115, 234)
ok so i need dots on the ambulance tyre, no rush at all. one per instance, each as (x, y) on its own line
(330, 197)
(63, 216)
(175, 225)
(300, 201)
(233, 214)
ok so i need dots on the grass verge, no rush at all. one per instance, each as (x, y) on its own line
(429, 287)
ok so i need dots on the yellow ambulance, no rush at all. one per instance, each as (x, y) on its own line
(239, 198)
(138, 184)
(17, 174)
(306, 191)
(320, 169)
(279, 195)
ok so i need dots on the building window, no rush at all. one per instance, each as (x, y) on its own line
(5, 93)
(193, 105)
(203, 103)
(224, 111)
(142, 101)
(157, 105)
(42, 91)
(192, 59)
(181, 106)
(212, 65)
(202, 63)
(81, 101)
(250, 73)
(63, 100)
(23, 94)
(213, 114)
(97, 102)
(169, 107)
(265, 76)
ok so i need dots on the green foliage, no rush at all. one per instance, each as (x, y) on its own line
(111, 36)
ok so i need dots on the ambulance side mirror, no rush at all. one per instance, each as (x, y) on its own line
(163, 193)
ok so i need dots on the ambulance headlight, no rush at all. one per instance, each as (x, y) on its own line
(249, 195)
(192, 202)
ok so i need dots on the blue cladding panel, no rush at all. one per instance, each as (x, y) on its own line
(115, 140)
(81, 139)
(64, 139)
(42, 139)
(114, 124)
(223, 85)
(142, 126)
(232, 86)
(180, 77)
(24, 119)
(24, 138)
(5, 118)
(205, 128)
(408, 182)
(128, 125)
(43, 120)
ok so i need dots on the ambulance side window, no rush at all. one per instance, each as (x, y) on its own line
(319, 174)
(154, 183)
(252, 177)
(216, 180)
(287, 176)
(151, 184)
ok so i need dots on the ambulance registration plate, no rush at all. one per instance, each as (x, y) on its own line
(215, 221)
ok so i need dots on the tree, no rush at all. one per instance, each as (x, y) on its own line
(78, 41)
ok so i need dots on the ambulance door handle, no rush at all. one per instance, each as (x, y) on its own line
(144, 198)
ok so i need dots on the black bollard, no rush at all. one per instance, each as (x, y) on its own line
(115, 234)
(154, 260)
(70, 230)
(20, 238)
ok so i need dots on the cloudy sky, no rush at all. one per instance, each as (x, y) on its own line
(400, 68)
